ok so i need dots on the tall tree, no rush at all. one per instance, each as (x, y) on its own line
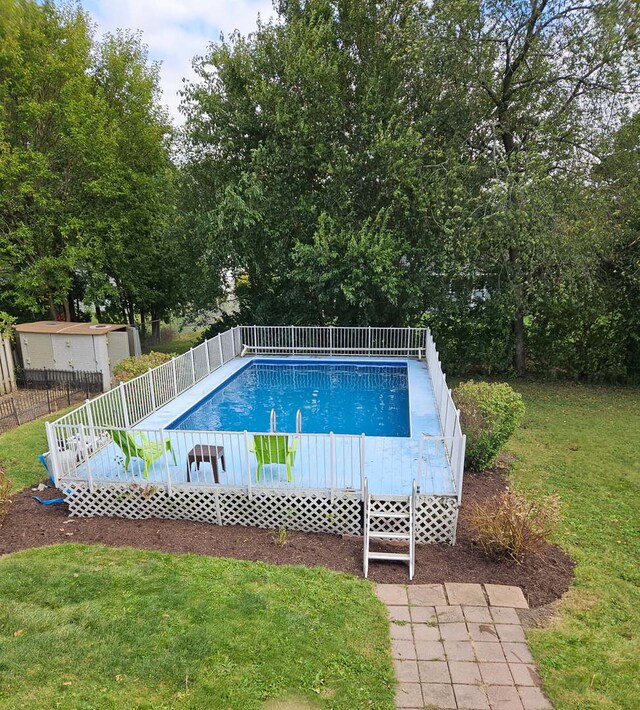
(554, 73)
(87, 185)
(316, 157)
(44, 96)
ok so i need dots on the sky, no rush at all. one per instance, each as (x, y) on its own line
(177, 30)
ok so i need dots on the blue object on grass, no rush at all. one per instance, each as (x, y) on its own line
(43, 458)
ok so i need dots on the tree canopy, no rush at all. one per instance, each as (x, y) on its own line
(408, 163)
(471, 165)
(87, 184)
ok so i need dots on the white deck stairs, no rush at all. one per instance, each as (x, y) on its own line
(390, 518)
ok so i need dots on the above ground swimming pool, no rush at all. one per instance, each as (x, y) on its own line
(338, 397)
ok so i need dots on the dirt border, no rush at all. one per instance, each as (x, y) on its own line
(542, 578)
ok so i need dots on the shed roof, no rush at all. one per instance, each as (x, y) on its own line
(67, 327)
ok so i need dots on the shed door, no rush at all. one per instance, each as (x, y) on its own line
(74, 352)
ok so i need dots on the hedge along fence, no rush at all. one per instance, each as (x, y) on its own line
(132, 367)
(489, 414)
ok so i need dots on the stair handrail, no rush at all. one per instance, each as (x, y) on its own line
(365, 502)
(272, 421)
(412, 528)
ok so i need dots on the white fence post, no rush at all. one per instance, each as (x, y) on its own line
(219, 336)
(332, 463)
(461, 452)
(206, 353)
(193, 367)
(165, 456)
(53, 452)
(125, 410)
(247, 452)
(152, 391)
(92, 430)
(85, 449)
(362, 466)
(175, 377)
(420, 455)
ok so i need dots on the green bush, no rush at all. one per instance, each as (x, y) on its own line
(131, 367)
(489, 414)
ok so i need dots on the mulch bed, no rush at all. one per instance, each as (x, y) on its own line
(543, 578)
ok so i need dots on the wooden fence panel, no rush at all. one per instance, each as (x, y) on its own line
(7, 376)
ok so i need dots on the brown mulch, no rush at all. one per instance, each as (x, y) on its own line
(542, 578)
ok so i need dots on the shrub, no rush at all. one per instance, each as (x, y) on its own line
(509, 526)
(5, 495)
(131, 367)
(489, 414)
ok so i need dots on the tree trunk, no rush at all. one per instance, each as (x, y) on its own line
(52, 307)
(155, 326)
(520, 351)
(131, 313)
(98, 311)
(67, 309)
(143, 324)
(519, 356)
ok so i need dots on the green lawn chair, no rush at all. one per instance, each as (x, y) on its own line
(143, 449)
(274, 448)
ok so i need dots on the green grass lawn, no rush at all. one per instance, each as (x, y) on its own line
(584, 444)
(92, 627)
(581, 442)
(19, 449)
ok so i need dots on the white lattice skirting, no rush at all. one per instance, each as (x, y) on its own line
(297, 510)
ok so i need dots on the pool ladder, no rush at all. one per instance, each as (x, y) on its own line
(390, 518)
(273, 422)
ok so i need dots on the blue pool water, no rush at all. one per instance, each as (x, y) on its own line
(343, 398)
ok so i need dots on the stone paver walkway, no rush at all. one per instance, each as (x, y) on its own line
(461, 646)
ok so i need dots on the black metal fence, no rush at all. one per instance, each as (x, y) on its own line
(42, 392)
(45, 379)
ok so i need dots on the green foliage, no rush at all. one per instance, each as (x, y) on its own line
(146, 629)
(510, 526)
(489, 414)
(425, 163)
(88, 190)
(6, 325)
(132, 367)
(19, 449)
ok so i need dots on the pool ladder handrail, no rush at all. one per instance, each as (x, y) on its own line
(273, 422)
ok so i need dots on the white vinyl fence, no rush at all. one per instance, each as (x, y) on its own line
(82, 448)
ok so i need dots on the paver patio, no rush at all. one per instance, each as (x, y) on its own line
(461, 646)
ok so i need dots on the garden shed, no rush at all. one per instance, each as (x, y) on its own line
(66, 347)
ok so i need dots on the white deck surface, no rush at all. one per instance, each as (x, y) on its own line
(390, 463)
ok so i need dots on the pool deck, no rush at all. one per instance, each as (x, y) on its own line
(390, 463)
